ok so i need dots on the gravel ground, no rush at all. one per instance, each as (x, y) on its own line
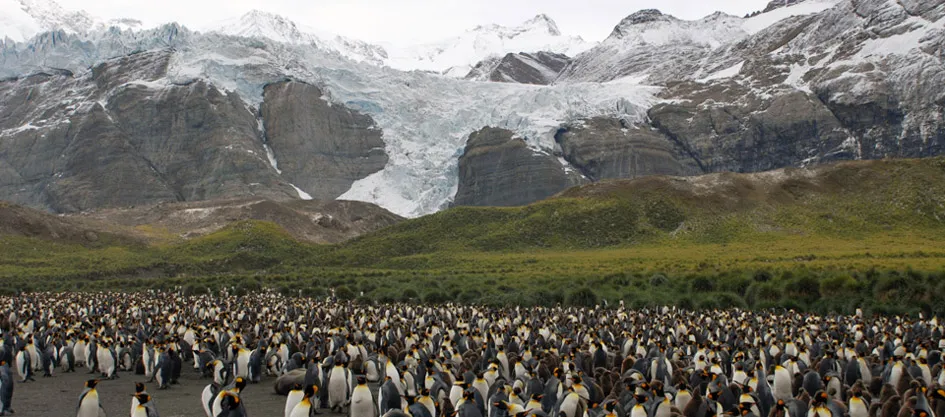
(58, 396)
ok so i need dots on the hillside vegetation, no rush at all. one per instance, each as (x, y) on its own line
(836, 237)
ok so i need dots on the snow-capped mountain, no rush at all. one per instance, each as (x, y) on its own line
(20, 20)
(424, 118)
(259, 24)
(458, 55)
(652, 46)
(91, 116)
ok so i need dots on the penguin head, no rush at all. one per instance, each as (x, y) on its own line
(362, 380)
(939, 394)
(310, 391)
(143, 398)
(230, 401)
(240, 383)
(139, 387)
(91, 383)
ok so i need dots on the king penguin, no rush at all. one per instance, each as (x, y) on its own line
(139, 389)
(24, 365)
(89, 405)
(145, 407)
(338, 388)
(6, 389)
(294, 398)
(304, 408)
(362, 401)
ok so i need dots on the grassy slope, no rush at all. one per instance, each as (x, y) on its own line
(865, 233)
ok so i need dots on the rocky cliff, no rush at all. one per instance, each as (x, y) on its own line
(124, 134)
(320, 148)
(497, 169)
(525, 68)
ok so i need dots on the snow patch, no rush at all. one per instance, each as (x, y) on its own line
(272, 159)
(726, 73)
(761, 22)
(302, 194)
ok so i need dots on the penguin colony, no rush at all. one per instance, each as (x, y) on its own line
(466, 361)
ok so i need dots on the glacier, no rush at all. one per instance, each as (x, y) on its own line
(425, 117)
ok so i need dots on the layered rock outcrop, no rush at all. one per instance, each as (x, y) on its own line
(498, 169)
(321, 148)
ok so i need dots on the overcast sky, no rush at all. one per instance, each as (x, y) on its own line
(411, 21)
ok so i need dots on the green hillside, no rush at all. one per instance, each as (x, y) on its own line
(857, 234)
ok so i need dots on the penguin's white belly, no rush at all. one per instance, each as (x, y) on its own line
(205, 398)
(455, 394)
(34, 359)
(21, 365)
(139, 411)
(682, 400)
(664, 409)
(894, 376)
(242, 365)
(858, 409)
(362, 404)
(570, 405)
(337, 388)
(292, 400)
(638, 411)
(89, 405)
(301, 410)
(79, 353)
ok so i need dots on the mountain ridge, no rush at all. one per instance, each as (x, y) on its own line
(818, 81)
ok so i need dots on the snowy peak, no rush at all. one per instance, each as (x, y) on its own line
(52, 16)
(20, 20)
(260, 24)
(644, 16)
(543, 22)
(456, 56)
(540, 25)
(652, 27)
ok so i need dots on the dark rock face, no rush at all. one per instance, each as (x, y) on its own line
(526, 68)
(603, 148)
(321, 148)
(122, 134)
(499, 170)
(119, 137)
(726, 127)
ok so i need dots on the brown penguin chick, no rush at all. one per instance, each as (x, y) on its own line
(876, 387)
(914, 387)
(890, 407)
(907, 409)
(797, 384)
(696, 407)
(886, 393)
(627, 364)
(905, 382)
(446, 408)
(803, 396)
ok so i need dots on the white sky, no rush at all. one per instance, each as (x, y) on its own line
(411, 21)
